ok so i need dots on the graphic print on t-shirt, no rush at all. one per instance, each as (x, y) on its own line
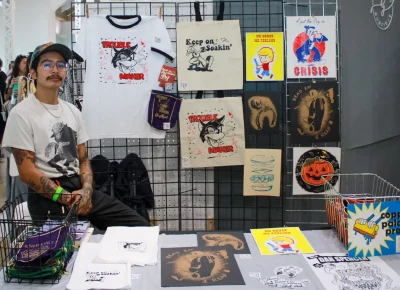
(63, 153)
(123, 61)
(133, 247)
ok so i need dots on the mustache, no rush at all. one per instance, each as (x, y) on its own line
(54, 77)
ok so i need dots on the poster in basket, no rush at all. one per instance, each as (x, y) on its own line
(310, 164)
(311, 46)
(373, 228)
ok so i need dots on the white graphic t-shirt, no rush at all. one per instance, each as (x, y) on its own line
(133, 245)
(124, 56)
(53, 132)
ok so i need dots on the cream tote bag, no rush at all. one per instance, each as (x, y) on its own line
(210, 55)
(212, 132)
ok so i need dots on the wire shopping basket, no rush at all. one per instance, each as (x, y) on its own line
(35, 251)
(344, 189)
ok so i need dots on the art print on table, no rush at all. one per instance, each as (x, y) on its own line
(373, 228)
(264, 56)
(212, 132)
(284, 278)
(310, 164)
(185, 267)
(311, 47)
(210, 55)
(262, 172)
(314, 111)
(337, 272)
(123, 60)
(275, 241)
(262, 112)
(234, 241)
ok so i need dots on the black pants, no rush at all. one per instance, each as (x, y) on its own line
(107, 211)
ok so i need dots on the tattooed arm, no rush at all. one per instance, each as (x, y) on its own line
(36, 180)
(86, 176)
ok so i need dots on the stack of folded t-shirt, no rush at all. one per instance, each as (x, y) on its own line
(43, 255)
(87, 275)
(133, 245)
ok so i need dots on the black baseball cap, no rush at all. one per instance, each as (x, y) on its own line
(48, 47)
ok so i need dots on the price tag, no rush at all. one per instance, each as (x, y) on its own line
(183, 86)
(166, 126)
(185, 160)
(245, 256)
(256, 275)
(136, 276)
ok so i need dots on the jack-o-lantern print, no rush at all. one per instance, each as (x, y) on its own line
(312, 166)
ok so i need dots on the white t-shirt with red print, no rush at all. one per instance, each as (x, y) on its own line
(124, 56)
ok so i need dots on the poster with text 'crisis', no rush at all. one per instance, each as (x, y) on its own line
(311, 46)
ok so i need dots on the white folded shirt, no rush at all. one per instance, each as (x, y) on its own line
(87, 275)
(134, 245)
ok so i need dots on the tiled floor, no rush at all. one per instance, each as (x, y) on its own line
(2, 182)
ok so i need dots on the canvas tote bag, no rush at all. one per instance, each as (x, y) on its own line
(212, 132)
(210, 55)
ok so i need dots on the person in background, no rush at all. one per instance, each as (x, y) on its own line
(20, 69)
(10, 67)
(3, 78)
(32, 86)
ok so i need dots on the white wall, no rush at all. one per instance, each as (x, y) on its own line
(2, 39)
(35, 24)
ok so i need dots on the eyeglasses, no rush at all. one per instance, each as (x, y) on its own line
(49, 65)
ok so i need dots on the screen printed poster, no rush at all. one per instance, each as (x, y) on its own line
(262, 172)
(262, 112)
(275, 241)
(186, 267)
(373, 228)
(337, 271)
(233, 241)
(310, 165)
(212, 132)
(210, 55)
(264, 56)
(311, 47)
(314, 112)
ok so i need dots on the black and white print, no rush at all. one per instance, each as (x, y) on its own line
(339, 272)
(209, 52)
(284, 277)
(62, 152)
(138, 247)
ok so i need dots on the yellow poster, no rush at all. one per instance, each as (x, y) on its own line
(276, 241)
(264, 56)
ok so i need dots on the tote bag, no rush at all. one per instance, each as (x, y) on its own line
(212, 132)
(210, 55)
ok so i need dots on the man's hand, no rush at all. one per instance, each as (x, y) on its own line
(67, 198)
(85, 206)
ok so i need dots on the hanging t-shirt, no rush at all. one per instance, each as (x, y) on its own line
(124, 56)
(53, 132)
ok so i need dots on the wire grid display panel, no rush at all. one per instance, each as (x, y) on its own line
(180, 195)
(189, 199)
(233, 211)
(306, 212)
